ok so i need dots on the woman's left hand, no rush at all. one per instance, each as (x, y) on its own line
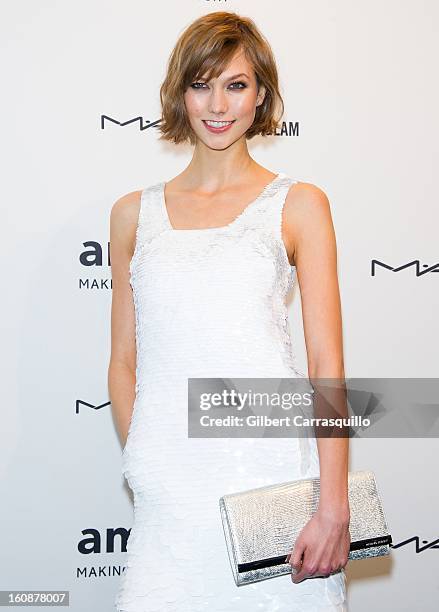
(322, 546)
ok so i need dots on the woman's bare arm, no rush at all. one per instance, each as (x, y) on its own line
(315, 256)
(122, 366)
(311, 242)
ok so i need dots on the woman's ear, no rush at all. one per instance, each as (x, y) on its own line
(260, 96)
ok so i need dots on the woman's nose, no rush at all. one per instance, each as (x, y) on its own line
(217, 101)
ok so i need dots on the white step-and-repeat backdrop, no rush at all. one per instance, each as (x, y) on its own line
(80, 110)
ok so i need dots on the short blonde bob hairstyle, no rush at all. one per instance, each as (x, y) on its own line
(205, 49)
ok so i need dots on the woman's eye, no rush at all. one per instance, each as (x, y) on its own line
(238, 83)
(199, 85)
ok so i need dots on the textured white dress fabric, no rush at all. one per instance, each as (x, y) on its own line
(209, 303)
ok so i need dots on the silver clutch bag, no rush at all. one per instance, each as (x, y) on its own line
(261, 525)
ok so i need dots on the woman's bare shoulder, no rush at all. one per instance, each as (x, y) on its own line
(306, 205)
(124, 218)
(305, 197)
(125, 209)
(307, 213)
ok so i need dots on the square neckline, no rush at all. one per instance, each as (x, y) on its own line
(219, 227)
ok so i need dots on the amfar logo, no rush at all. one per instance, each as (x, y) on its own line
(80, 403)
(288, 128)
(96, 543)
(417, 541)
(95, 255)
(415, 264)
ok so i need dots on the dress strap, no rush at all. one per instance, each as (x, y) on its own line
(266, 216)
(150, 221)
(276, 207)
(275, 224)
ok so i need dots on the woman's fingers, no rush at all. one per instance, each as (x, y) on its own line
(294, 557)
(306, 569)
(319, 550)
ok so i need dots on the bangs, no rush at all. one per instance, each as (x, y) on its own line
(211, 60)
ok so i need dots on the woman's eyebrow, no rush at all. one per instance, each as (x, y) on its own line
(235, 76)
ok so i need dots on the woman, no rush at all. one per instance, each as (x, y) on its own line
(201, 268)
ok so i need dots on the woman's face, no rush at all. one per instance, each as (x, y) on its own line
(232, 97)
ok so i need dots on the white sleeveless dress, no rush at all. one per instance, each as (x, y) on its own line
(209, 303)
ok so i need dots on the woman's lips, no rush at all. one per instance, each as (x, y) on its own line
(218, 130)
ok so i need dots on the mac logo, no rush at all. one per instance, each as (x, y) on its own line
(417, 541)
(143, 125)
(415, 264)
(80, 403)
